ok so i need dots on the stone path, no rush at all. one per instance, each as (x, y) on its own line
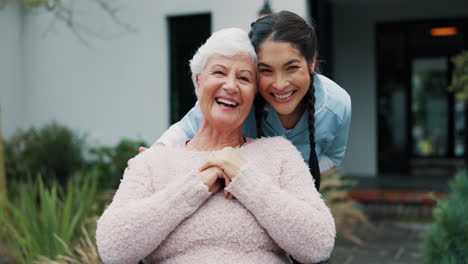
(390, 243)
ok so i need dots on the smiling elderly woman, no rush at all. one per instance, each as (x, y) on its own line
(169, 208)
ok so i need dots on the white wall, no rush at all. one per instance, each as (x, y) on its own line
(12, 114)
(118, 87)
(355, 68)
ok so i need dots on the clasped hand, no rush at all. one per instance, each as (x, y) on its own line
(220, 168)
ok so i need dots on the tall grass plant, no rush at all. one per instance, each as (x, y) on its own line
(41, 221)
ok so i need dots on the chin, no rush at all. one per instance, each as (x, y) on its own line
(226, 122)
(282, 109)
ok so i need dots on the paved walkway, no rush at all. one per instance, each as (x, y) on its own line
(390, 243)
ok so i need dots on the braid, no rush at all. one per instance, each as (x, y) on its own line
(313, 161)
(259, 104)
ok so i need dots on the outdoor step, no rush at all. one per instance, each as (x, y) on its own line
(396, 203)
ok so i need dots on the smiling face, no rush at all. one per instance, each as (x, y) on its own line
(226, 89)
(284, 78)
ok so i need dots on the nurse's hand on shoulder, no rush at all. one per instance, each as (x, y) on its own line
(140, 150)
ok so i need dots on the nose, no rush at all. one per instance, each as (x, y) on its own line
(230, 85)
(280, 82)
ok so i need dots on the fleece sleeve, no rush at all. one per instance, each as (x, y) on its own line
(140, 218)
(293, 212)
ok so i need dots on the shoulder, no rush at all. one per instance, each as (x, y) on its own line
(337, 99)
(155, 155)
(273, 146)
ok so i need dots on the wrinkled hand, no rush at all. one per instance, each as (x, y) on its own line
(214, 178)
(229, 161)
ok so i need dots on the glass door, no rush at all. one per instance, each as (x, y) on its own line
(430, 107)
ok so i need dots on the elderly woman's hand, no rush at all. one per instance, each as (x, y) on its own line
(228, 159)
(213, 177)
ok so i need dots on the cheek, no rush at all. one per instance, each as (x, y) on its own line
(263, 84)
(303, 80)
(248, 93)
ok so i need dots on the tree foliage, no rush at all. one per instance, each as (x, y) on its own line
(447, 241)
(65, 12)
(459, 83)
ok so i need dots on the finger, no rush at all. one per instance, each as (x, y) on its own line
(228, 195)
(227, 180)
(216, 186)
(141, 149)
(209, 164)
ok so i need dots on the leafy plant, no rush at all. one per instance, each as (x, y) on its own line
(53, 151)
(66, 12)
(110, 162)
(447, 241)
(459, 83)
(3, 181)
(334, 189)
(41, 221)
(84, 252)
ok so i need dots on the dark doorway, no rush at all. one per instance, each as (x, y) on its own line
(420, 122)
(321, 13)
(186, 34)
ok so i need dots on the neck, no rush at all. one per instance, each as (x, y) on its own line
(289, 121)
(212, 138)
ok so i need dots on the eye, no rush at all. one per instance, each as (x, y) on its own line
(292, 67)
(264, 70)
(218, 73)
(244, 79)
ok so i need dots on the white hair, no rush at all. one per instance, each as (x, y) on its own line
(225, 42)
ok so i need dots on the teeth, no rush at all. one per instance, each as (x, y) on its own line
(283, 96)
(225, 101)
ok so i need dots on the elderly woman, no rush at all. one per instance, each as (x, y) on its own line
(169, 208)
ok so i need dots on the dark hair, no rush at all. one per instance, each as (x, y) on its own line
(288, 27)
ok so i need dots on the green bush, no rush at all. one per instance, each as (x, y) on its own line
(56, 152)
(110, 162)
(53, 151)
(42, 221)
(447, 241)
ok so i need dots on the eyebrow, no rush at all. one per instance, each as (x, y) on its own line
(251, 74)
(222, 66)
(286, 64)
(291, 62)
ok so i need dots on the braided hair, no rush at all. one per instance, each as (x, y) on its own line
(288, 27)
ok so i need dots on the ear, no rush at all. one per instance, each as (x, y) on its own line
(197, 81)
(312, 64)
(197, 84)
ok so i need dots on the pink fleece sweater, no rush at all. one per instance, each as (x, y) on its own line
(163, 213)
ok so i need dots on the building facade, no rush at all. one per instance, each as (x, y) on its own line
(125, 84)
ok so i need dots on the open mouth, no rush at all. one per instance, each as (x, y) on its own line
(283, 96)
(226, 102)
